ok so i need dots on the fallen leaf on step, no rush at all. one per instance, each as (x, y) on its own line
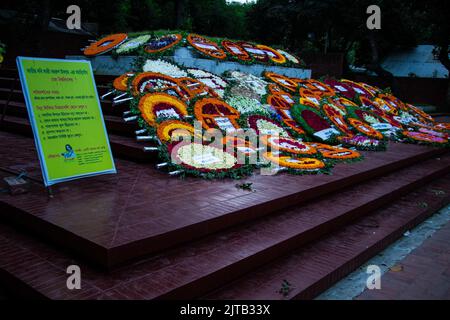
(396, 268)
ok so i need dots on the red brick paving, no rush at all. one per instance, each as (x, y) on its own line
(315, 267)
(112, 218)
(425, 274)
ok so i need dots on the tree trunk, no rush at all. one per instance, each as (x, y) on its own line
(375, 65)
(43, 20)
(180, 6)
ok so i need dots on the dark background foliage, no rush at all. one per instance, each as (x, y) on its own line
(302, 26)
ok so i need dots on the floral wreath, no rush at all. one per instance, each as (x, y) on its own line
(424, 137)
(161, 105)
(422, 114)
(278, 102)
(320, 89)
(388, 104)
(215, 113)
(365, 129)
(163, 43)
(372, 89)
(239, 145)
(132, 44)
(164, 67)
(388, 117)
(337, 119)
(254, 52)
(358, 88)
(195, 88)
(202, 158)
(209, 79)
(312, 99)
(303, 164)
(121, 83)
(334, 152)
(341, 88)
(309, 103)
(171, 130)
(105, 44)
(281, 80)
(247, 105)
(362, 142)
(273, 88)
(442, 126)
(266, 126)
(365, 115)
(312, 121)
(273, 54)
(292, 58)
(287, 145)
(152, 81)
(206, 46)
(236, 50)
(282, 108)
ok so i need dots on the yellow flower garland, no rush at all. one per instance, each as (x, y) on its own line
(150, 101)
(171, 130)
(294, 162)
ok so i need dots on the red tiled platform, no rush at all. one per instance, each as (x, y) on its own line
(112, 218)
(315, 267)
(425, 274)
(37, 269)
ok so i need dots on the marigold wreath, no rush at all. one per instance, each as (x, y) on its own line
(281, 80)
(310, 96)
(256, 53)
(341, 88)
(358, 88)
(155, 106)
(152, 81)
(121, 83)
(334, 152)
(266, 126)
(275, 89)
(282, 108)
(273, 54)
(216, 114)
(365, 129)
(236, 50)
(389, 104)
(424, 137)
(105, 44)
(293, 162)
(206, 46)
(163, 43)
(320, 89)
(442, 126)
(239, 146)
(172, 130)
(287, 145)
(419, 112)
(337, 119)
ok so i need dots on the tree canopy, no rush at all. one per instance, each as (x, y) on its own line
(300, 25)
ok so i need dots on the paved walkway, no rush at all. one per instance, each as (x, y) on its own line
(423, 274)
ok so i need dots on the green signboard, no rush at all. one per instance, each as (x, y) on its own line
(66, 118)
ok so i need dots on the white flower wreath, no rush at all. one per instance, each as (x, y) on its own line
(165, 68)
(132, 44)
